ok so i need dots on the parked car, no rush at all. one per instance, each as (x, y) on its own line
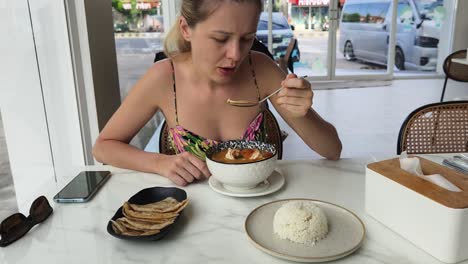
(118, 28)
(282, 34)
(365, 31)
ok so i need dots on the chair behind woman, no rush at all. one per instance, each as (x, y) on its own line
(435, 128)
(453, 70)
(286, 62)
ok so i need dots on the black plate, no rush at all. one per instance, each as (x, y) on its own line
(146, 196)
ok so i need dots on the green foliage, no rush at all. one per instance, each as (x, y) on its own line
(355, 17)
(151, 11)
(118, 5)
(277, 6)
(134, 11)
(133, 14)
(368, 18)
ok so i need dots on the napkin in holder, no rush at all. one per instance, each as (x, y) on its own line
(413, 166)
(430, 216)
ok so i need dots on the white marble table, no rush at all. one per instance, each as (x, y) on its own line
(210, 229)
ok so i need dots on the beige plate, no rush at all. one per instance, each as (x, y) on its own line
(346, 234)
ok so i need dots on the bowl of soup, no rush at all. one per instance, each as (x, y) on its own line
(240, 164)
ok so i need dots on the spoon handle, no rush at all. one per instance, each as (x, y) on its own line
(275, 92)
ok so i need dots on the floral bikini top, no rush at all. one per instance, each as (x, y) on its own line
(183, 140)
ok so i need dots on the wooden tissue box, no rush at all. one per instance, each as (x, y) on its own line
(431, 217)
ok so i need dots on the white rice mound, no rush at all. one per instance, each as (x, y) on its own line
(301, 222)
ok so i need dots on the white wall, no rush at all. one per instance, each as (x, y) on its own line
(37, 96)
(460, 40)
(53, 53)
(21, 103)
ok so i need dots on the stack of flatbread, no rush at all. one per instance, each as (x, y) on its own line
(147, 219)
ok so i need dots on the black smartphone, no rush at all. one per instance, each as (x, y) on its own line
(83, 187)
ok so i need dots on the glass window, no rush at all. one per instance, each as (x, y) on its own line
(430, 9)
(364, 49)
(263, 25)
(300, 17)
(311, 24)
(138, 30)
(137, 16)
(353, 13)
(404, 12)
(419, 35)
(376, 12)
(281, 33)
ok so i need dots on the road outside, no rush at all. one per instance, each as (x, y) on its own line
(314, 49)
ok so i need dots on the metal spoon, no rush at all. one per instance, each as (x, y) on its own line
(246, 103)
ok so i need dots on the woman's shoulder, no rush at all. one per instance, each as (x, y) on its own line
(164, 68)
(161, 70)
(263, 63)
(156, 83)
(261, 57)
(159, 76)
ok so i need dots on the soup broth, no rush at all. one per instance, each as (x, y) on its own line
(241, 155)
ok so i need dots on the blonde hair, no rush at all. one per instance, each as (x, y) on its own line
(194, 12)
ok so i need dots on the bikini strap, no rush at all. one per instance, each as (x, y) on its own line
(253, 75)
(174, 88)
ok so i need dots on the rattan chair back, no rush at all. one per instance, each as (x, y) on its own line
(273, 135)
(165, 146)
(273, 132)
(435, 128)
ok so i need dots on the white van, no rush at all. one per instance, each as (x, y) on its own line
(365, 31)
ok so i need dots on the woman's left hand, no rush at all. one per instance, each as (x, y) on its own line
(296, 96)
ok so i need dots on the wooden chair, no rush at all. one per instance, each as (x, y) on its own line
(258, 46)
(273, 135)
(286, 62)
(435, 128)
(453, 70)
(165, 146)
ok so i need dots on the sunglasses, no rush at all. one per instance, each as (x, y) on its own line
(17, 225)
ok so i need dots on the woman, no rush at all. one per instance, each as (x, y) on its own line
(209, 62)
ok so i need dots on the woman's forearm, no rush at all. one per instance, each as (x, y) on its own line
(318, 134)
(122, 155)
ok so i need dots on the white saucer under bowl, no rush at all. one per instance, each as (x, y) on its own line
(271, 185)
